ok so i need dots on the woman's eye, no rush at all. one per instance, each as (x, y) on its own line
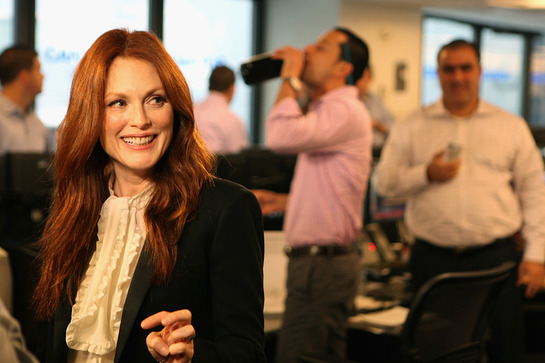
(117, 103)
(158, 100)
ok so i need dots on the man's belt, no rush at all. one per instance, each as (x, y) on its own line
(460, 250)
(319, 250)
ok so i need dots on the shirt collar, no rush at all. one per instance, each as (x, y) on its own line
(438, 110)
(218, 97)
(10, 107)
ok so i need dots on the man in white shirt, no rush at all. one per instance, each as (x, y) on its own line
(465, 209)
(221, 128)
(21, 79)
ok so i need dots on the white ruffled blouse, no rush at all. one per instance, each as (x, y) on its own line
(96, 315)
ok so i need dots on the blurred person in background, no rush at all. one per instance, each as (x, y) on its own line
(324, 213)
(220, 127)
(381, 117)
(466, 208)
(21, 79)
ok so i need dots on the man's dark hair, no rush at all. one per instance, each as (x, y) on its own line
(13, 60)
(221, 79)
(356, 53)
(460, 43)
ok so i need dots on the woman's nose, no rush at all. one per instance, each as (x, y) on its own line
(139, 117)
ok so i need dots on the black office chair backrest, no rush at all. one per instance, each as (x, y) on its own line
(450, 316)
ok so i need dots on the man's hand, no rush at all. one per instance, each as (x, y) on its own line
(292, 66)
(294, 61)
(440, 170)
(531, 274)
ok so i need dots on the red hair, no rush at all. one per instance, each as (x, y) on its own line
(81, 169)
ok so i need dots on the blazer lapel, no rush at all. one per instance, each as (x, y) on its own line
(137, 292)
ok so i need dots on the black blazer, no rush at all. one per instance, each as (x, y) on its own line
(218, 277)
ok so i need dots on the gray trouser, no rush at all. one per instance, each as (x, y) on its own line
(321, 293)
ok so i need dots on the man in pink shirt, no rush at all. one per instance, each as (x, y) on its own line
(220, 127)
(324, 213)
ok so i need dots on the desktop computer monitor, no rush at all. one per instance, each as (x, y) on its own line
(382, 219)
(29, 174)
(258, 168)
(25, 197)
(232, 167)
(379, 209)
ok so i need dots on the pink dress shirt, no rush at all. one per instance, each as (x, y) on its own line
(220, 127)
(333, 142)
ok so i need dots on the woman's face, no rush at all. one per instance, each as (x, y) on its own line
(138, 123)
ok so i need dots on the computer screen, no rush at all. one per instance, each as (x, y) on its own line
(25, 195)
(29, 173)
(382, 209)
(258, 168)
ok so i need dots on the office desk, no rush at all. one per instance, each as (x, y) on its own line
(364, 342)
(6, 282)
(274, 272)
(378, 345)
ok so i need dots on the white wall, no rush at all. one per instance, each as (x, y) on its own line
(393, 35)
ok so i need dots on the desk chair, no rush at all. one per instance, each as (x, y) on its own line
(450, 316)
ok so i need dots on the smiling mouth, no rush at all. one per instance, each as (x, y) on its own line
(139, 141)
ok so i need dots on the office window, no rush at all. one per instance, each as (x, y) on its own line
(6, 23)
(201, 34)
(435, 33)
(537, 83)
(65, 29)
(502, 79)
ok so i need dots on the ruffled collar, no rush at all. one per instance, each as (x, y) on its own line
(96, 314)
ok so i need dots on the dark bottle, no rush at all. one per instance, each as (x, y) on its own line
(260, 68)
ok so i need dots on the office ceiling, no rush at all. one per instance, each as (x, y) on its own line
(526, 15)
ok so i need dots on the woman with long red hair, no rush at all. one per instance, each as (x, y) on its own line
(144, 251)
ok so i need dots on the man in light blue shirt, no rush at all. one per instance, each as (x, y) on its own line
(21, 79)
(381, 117)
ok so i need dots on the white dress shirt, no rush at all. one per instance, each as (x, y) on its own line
(498, 190)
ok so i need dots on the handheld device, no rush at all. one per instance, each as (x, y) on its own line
(453, 151)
